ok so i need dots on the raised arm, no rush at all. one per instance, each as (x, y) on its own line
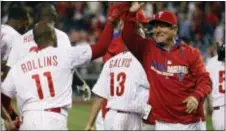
(100, 48)
(114, 12)
(132, 40)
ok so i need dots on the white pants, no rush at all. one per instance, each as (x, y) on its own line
(218, 119)
(149, 127)
(122, 121)
(99, 123)
(43, 120)
(2, 124)
(178, 126)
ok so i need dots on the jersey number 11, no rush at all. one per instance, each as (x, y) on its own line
(39, 87)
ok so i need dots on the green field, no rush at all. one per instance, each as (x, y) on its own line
(79, 113)
(78, 116)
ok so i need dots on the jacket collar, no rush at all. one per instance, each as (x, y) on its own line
(176, 45)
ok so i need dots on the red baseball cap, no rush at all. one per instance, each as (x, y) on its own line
(114, 48)
(165, 16)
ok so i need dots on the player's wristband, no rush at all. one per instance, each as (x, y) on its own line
(147, 110)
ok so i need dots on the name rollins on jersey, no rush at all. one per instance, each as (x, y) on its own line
(125, 62)
(39, 63)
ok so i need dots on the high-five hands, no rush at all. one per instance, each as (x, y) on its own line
(136, 6)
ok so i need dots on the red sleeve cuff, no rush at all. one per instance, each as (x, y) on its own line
(197, 95)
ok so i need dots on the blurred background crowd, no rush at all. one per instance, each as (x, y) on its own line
(201, 24)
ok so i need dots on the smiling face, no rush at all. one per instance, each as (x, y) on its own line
(163, 33)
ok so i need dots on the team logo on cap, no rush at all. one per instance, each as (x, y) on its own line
(160, 13)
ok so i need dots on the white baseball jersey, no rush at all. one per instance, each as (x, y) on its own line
(123, 83)
(9, 36)
(217, 74)
(27, 44)
(43, 79)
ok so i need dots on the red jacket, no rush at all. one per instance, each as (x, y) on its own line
(173, 76)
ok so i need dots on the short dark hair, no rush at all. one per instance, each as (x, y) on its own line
(47, 12)
(42, 32)
(17, 13)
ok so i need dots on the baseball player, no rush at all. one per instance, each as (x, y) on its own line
(46, 95)
(126, 93)
(178, 78)
(216, 68)
(45, 12)
(16, 25)
(141, 19)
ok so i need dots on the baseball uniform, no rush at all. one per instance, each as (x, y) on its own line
(114, 48)
(124, 84)
(217, 74)
(173, 74)
(27, 44)
(99, 123)
(9, 36)
(41, 81)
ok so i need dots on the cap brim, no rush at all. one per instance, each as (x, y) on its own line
(159, 21)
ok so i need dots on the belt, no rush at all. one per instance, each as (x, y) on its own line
(62, 111)
(218, 107)
(119, 111)
(55, 110)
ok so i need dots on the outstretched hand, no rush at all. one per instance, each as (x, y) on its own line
(116, 10)
(136, 6)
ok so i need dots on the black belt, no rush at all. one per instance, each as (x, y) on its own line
(217, 107)
(119, 111)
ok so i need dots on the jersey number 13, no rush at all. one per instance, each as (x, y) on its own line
(120, 79)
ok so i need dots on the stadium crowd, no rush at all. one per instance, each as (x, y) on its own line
(201, 24)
